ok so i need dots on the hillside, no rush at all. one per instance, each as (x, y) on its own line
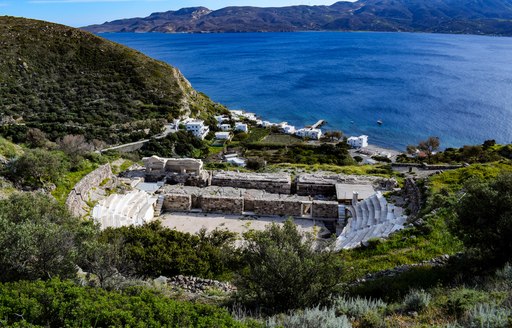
(444, 16)
(64, 80)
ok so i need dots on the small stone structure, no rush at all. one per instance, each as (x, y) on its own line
(187, 171)
(80, 195)
(277, 183)
(177, 203)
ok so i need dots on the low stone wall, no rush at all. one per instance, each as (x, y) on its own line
(177, 203)
(324, 209)
(222, 204)
(278, 207)
(79, 195)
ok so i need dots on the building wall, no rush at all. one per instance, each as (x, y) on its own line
(219, 204)
(325, 209)
(313, 189)
(278, 207)
(177, 203)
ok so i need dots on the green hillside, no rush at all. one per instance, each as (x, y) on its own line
(63, 80)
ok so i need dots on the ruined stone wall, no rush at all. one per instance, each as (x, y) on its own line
(278, 207)
(412, 195)
(177, 203)
(222, 204)
(313, 189)
(276, 183)
(324, 209)
(79, 195)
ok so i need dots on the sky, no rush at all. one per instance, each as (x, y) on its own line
(85, 12)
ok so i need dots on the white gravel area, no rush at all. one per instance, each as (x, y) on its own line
(193, 222)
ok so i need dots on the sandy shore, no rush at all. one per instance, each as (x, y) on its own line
(193, 222)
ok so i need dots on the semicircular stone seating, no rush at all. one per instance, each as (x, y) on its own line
(371, 218)
(133, 208)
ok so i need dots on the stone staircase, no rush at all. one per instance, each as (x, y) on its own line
(371, 218)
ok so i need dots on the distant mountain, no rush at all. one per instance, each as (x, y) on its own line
(64, 80)
(441, 16)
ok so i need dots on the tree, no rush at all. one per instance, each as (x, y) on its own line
(255, 163)
(39, 239)
(429, 146)
(484, 218)
(333, 135)
(38, 168)
(36, 138)
(285, 269)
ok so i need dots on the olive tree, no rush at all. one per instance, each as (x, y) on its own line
(284, 269)
(484, 218)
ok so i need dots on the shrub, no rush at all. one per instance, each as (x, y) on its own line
(285, 269)
(310, 318)
(38, 238)
(463, 300)
(359, 307)
(484, 218)
(488, 315)
(152, 250)
(416, 300)
(57, 303)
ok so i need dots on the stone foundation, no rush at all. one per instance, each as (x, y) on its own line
(281, 207)
(324, 209)
(177, 203)
(222, 204)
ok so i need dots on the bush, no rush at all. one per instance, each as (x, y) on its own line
(59, 303)
(38, 168)
(488, 315)
(285, 269)
(484, 218)
(310, 318)
(152, 250)
(463, 300)
(359, 307)
(38, 238)
(416, 300)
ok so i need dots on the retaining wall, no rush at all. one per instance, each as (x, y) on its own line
(177, 203)
(222, 204)
(324, 209)
(79, 195)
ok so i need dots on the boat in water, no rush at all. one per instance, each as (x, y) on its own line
(379, 122)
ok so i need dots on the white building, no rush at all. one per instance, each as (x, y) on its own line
(315, 134)
(288, 129)
(358, 142)
(225, 127)
(236, 161)
(221, 118)
(197, 128)
(222, 135)
(241, 127)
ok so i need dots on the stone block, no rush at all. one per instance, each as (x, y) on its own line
(177, 203)
(324, 209)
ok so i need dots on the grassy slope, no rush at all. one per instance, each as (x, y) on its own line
(60, 78)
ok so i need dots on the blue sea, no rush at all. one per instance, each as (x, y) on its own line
(456, 87)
